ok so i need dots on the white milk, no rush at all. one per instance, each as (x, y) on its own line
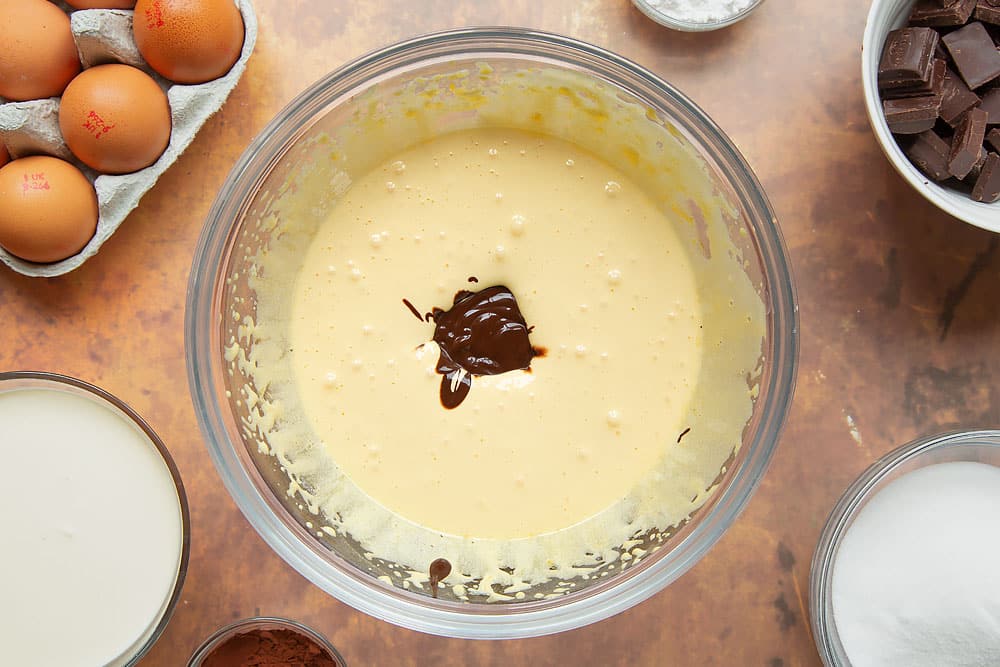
(92, 531)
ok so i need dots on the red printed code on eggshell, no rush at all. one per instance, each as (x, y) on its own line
(96, 125)
(154, 16)
(36, 181)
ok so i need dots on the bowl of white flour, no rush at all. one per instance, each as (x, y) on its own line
(697, 15)
(905, 569)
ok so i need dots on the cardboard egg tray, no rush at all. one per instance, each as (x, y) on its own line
(31, 128)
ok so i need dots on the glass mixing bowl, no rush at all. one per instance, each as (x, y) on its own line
(466, 63)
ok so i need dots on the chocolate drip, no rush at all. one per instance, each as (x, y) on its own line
(483, 333)
(455, 386)
(416, 313)
(438, 570)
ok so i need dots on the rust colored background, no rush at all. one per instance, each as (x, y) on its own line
(898, 302)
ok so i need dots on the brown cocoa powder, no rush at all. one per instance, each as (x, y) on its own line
(270, 648)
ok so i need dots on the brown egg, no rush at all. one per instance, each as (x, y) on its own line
(115, 119)
(48, 209)
(101, 4)
(38, 56)
(4, 155)
(189, 41)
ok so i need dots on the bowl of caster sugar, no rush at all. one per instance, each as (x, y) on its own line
(697, 15)
(905, 569)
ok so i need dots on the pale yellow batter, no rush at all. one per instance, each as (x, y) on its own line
(620, 256)
(596, 272)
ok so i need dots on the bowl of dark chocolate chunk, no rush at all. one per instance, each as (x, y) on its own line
(931, 76)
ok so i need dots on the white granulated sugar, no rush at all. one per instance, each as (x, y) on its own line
(700, 11)
(916, 580)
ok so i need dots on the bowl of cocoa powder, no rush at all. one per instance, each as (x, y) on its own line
(266, 641)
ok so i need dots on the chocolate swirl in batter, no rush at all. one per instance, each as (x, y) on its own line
(483, 333)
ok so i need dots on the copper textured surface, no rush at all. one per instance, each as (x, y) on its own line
(900, 321)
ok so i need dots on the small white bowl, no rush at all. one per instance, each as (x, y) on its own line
(670, 21)
(884, 16)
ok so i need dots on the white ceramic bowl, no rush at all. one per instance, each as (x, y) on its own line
(884, 16)
(665, 18)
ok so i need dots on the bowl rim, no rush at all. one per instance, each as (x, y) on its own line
(847, 507)
(728, 502)
(64, 383)
(956, 204)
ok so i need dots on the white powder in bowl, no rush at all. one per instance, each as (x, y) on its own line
(916, 581)
(699, 11)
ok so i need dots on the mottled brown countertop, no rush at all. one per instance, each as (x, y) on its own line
(900, 322)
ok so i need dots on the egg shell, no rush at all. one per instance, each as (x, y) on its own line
(50, 209)
(115, 119)
(101, 4)
(189, 41)
(38, 57)
(32, 123)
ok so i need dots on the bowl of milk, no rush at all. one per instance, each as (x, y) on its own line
(95, 522)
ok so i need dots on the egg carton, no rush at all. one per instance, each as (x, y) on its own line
(32, 128)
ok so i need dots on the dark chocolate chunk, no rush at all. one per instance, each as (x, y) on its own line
(987, 187)
(935, 13)
(988, 11)
(956, 98)
(978, 167)
(991, 105)
(956, 77)
(911, 115)
(929, 153)
(994, 138)
(974, 54)
(907, 58)
(994, 30)
(967, 143)
(939, 68)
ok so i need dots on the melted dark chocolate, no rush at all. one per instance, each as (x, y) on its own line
(483, 333)
(438, 570)
(416, 313)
